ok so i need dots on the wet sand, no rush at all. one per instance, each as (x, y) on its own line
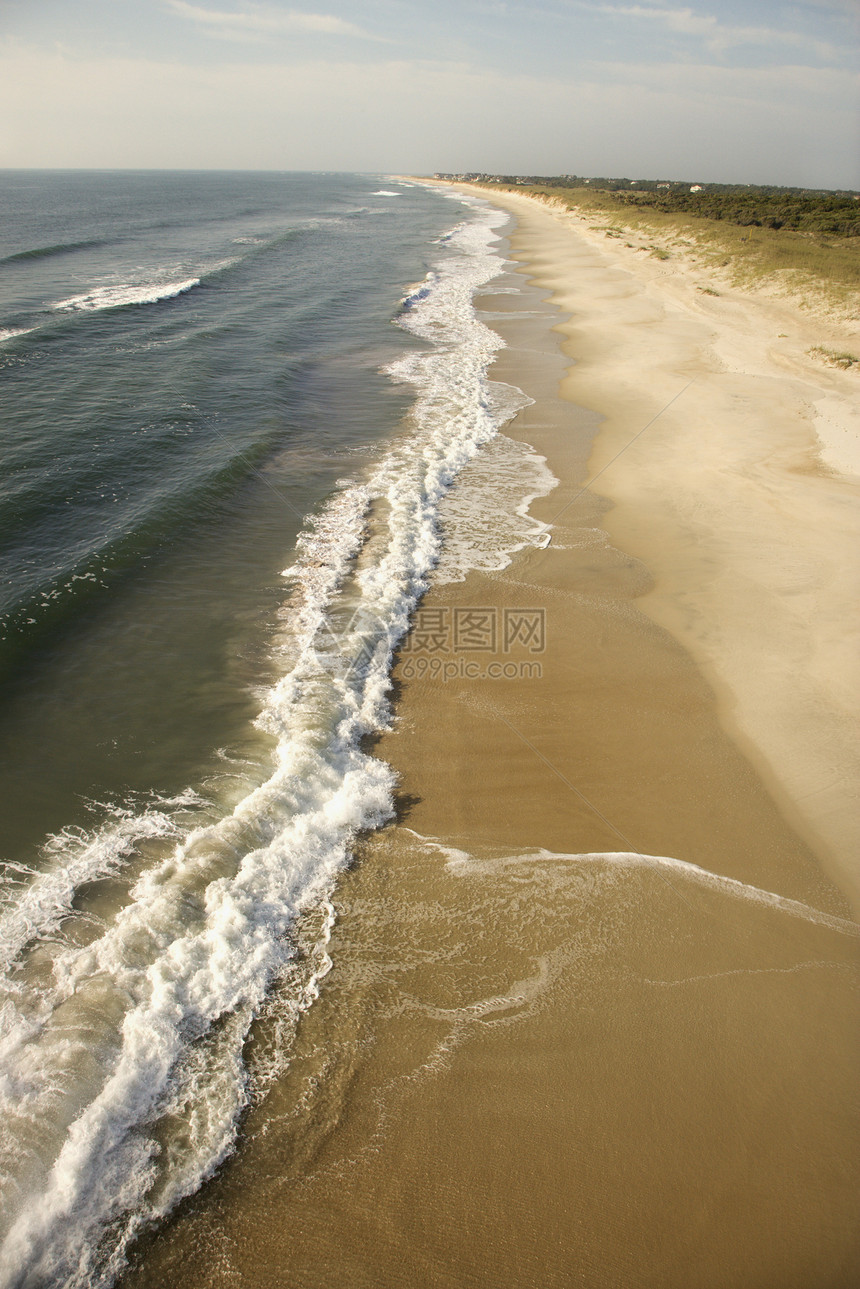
(543, 1057)
(731, 455)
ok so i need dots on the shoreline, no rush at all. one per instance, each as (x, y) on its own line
(551, 1052)
(717, 450)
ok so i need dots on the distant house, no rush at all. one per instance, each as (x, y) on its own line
(697, 188)
(664, 185)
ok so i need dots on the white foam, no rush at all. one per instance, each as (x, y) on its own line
(115, 1026)
(486, 517)
(661, 864)
(114, 297)
(73, 858)
(384, 192)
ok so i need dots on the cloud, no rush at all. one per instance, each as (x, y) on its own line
(260, 22)
(772, 88)
(683, 20)
(848, 7)
(718, 36)
(764, 125)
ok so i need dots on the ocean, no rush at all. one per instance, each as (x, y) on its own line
(234, 409)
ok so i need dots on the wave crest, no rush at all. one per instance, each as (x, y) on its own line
(117, 297)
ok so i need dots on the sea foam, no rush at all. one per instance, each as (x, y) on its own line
(115, 297)
(123, 1017)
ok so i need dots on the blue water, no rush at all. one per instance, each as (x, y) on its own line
(159, 458)
(231, 407)
(122, 422)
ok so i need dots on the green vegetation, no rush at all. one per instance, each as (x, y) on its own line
(834, 359)
(781, 236)
(748, 205)
(759, 208)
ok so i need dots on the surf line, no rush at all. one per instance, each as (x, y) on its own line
(500, 716)
(729, 886)
(703, 876)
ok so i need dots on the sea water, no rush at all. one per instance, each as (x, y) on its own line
(234, 407)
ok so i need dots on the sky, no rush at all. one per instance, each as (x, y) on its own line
(722, 91)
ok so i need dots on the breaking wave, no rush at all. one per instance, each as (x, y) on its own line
(116, 297)
(141, 953)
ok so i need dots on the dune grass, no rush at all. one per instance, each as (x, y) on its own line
(835, 359)
(748, 256)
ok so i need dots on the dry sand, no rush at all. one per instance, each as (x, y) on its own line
(731, 497)
(542, 1057)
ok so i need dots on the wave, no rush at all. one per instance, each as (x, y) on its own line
(43, 252)
(383, 192)
(116, 297)
(9, 333)
(126, 1015)
(78, 859)
(418, 293)
(255, 246)
(486, 517)
(261, 245)
(661, 865)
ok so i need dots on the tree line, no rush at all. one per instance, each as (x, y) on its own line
(803, 212)
(761, 206)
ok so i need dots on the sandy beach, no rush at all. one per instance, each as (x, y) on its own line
(741, 497)
(592, 1018)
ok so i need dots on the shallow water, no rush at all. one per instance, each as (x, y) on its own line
(497, 1048)
(224, 474)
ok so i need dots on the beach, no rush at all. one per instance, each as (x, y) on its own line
(735, 497)
(591, 1015)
